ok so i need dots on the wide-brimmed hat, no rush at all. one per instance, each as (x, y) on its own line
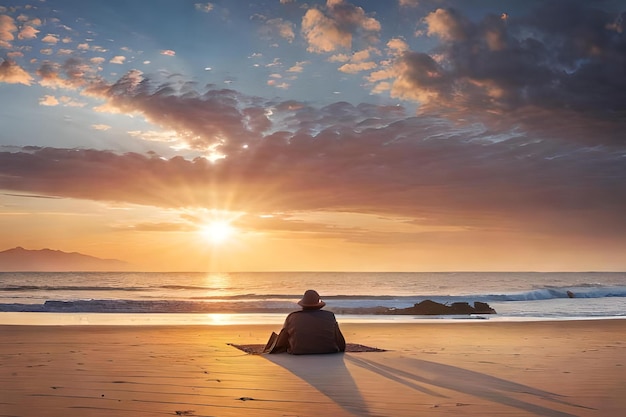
(311, 299)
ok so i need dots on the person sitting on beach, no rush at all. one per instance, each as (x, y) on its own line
(308, 331)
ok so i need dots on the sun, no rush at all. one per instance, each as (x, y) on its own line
(217, 231)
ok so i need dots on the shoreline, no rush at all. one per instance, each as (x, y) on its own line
(229, 319)
(481, 368)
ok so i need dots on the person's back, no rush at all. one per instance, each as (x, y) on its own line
(308, 331)
(313, 331)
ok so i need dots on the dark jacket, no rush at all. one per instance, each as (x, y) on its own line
(311, 331)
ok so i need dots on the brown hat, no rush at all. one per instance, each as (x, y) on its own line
(311, 299)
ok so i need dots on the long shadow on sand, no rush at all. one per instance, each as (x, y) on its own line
(453, 378)
(329, 375)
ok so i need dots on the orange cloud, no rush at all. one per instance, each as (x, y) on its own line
(12, 73)
(7, 28)
(53, 39)
(70, 102)
(447, 24)
(335, 30)
(101, 127)
(357, 67)
(48, 101)
(118, 59)
(359, 62)
(27, 32)
(397, 46)
(323, 34)
(298, 67)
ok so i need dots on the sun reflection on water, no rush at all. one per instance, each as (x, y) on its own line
(218, 283)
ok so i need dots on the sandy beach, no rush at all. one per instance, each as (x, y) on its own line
(552, 369)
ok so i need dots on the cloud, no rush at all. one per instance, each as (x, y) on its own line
(420, 78)
(278, 27)
(74, 73)
(27, 32)
(168, 52)
(12, 73)
(49, 76)
(509, 154)
(323, 34)
(119, 59)
(408, 3)
(156, 136)
(298, 67)
(204, 7)
(381, 87)
(359, 61)
(275, 83)
(532, 168)
(357, 67)
(32, 196)
(159, 227)
(66, 101)
(49, 38)
(100, 127)
(505, 64)
(449, 25)
(48, 101)
(7, 28)
(70, 102)
(397, 46)
(339, 58)
(275, 63)
(338, 29)
(343, 158)
(214, 118)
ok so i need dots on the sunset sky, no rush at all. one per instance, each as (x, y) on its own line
(387, 135)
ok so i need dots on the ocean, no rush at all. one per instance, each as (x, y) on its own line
(265, 297)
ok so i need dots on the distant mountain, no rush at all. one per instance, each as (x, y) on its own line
(20, 259)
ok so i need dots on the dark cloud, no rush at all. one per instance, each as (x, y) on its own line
(564, 55)
(216, 117)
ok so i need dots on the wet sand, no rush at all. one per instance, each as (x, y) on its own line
(553, 369)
